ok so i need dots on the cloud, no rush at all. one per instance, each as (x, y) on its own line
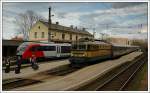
(126, 4)
(90, 15)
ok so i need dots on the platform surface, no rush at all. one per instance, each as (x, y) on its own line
(29, 71)
(82, 76)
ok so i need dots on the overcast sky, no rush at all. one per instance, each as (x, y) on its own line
(114, 19)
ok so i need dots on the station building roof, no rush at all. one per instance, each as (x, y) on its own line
(64, 28)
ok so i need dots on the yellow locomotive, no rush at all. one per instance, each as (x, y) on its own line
(89, 51)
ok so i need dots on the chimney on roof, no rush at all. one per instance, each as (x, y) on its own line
(57, 23)
(71, 26)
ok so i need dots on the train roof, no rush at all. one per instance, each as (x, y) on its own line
(117, 45)
(51, 43)
(94, 42)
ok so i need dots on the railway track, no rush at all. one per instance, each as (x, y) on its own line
(117, 79)
(60, 71)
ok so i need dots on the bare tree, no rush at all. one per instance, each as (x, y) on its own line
(25, 21)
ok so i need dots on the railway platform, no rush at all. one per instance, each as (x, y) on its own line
(81, 77)
(29, 71)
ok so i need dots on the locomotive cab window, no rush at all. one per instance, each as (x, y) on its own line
(74, 47)
(82, 47)
(79, 47)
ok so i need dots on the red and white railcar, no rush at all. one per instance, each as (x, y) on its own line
(42, 50)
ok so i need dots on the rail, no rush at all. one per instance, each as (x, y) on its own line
(117, 78)
(121, 79)
(38, 78)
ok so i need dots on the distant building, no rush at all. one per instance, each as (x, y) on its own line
(119, 41)
(39, 32)
(10, 46)
(17, 38)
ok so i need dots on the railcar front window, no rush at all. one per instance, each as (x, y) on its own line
(22, 47)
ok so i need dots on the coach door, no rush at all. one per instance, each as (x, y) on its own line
(50, 51)
(58, 51)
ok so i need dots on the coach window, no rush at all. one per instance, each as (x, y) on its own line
(65, 49)
(35, 35)
(42, 35)
(50, 48)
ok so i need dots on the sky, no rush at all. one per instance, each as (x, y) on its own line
(122, 19)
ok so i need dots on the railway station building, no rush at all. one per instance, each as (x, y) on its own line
(59, 33)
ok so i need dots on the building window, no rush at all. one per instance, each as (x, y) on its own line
(128, 42)
(39, 27)
(76, 37)
(42, 34)
(63, 36)
(35, 35)
(70, 36)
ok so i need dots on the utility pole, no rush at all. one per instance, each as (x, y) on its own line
(141, 29)
(94, 32)
(49, 25)
(102, 34)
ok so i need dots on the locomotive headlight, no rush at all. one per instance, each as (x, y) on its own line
(83, 55)
(71, 54)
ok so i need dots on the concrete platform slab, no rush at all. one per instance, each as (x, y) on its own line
(29, 71)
